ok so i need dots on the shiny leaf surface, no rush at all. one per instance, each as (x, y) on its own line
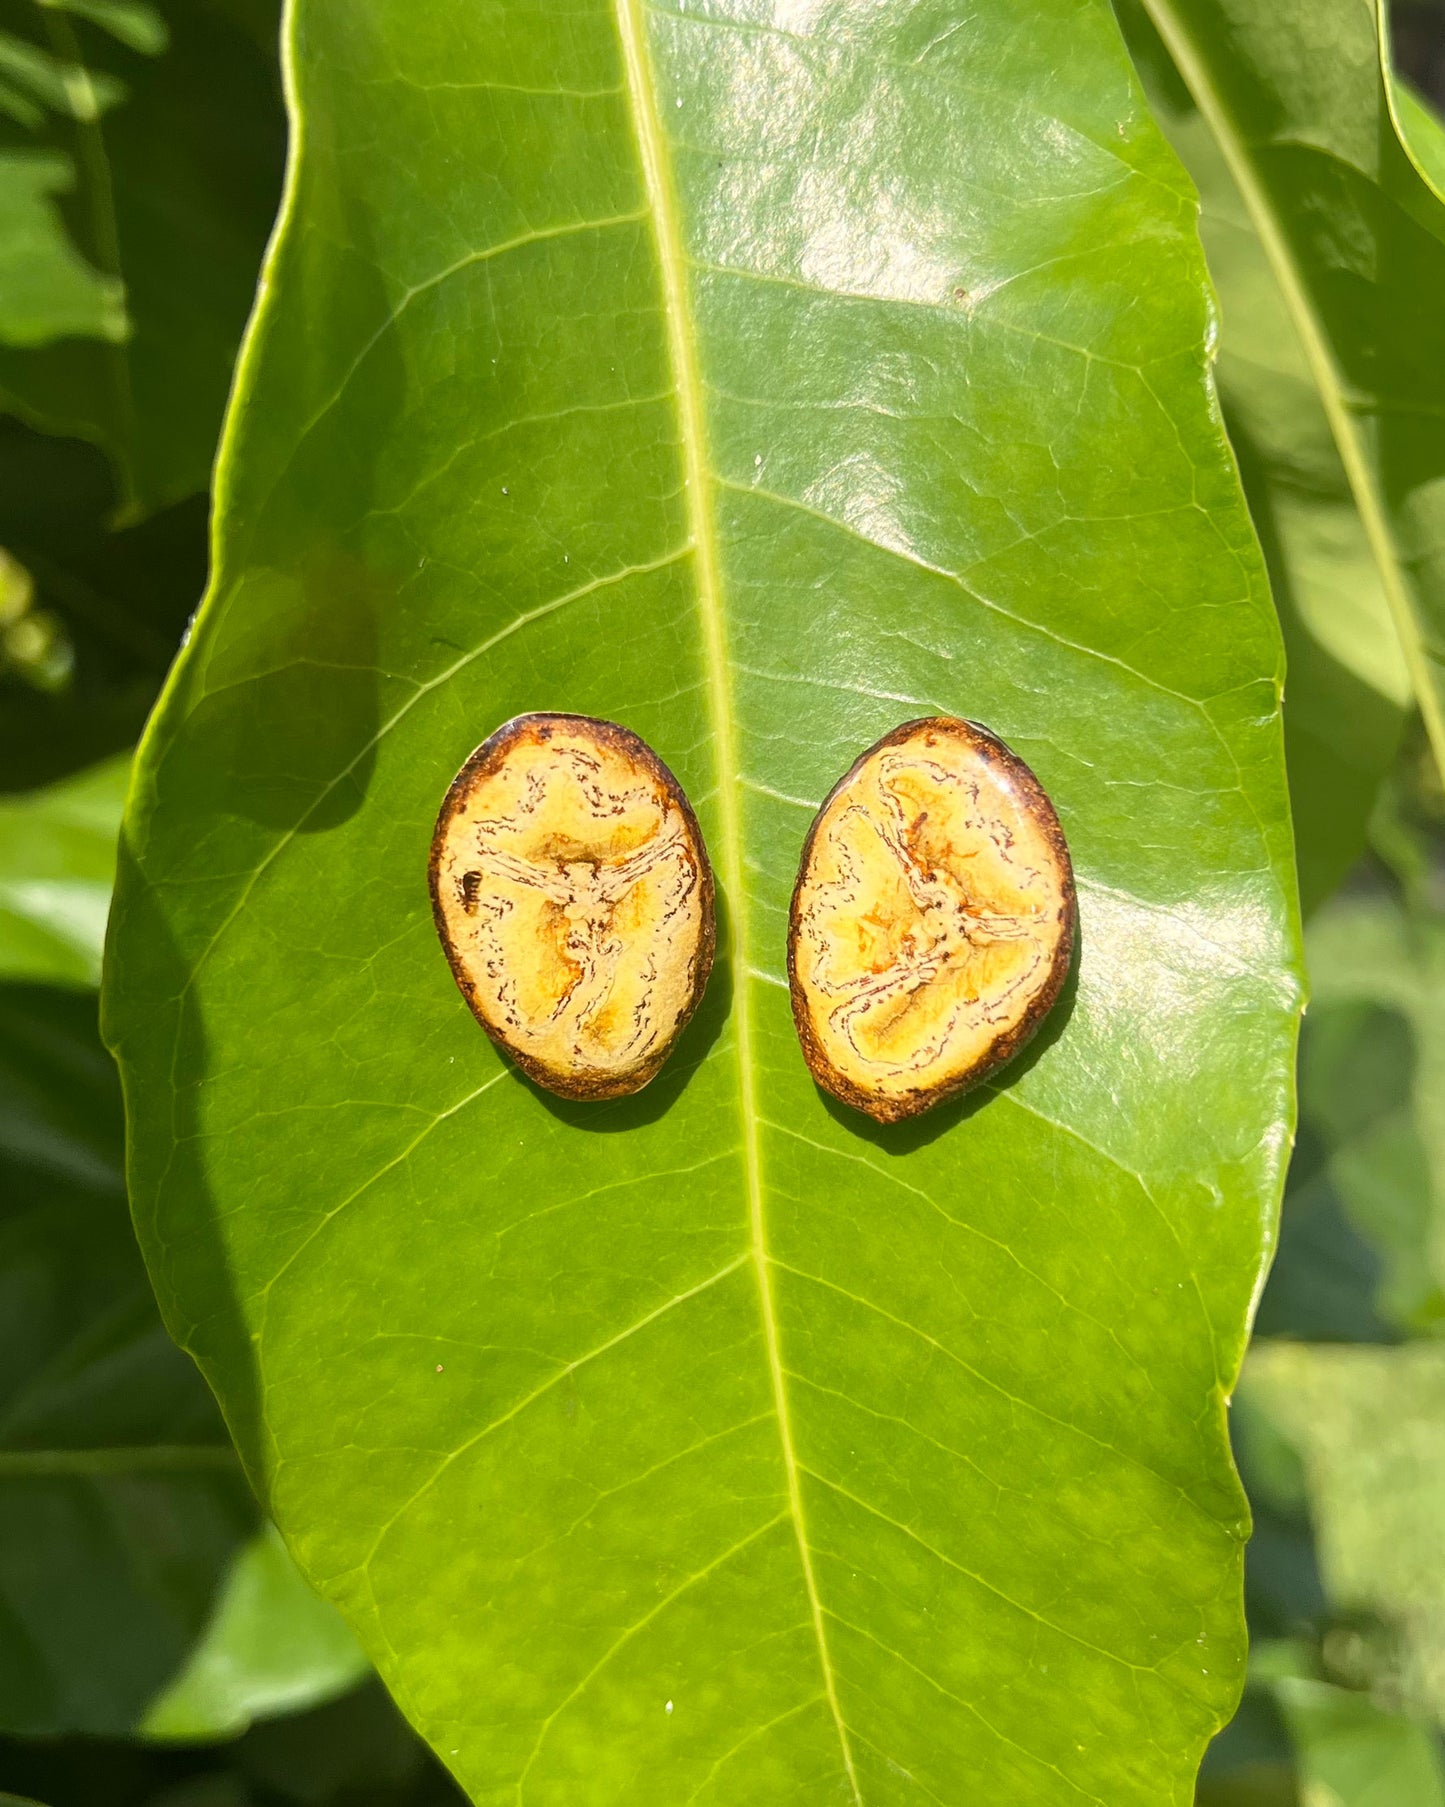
(759, 379)
(1421, 131)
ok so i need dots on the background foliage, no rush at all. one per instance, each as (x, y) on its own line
(143, 1606)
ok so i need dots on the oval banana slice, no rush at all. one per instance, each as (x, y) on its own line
(932, 923)
(573, 895)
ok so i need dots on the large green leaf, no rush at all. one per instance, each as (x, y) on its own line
(1297, 101)
(171, 127)
(758, 380)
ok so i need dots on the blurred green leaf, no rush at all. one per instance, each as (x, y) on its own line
(177, 185)
(60, 83)
(272, 1646)
(131, 21)
(1422, 133)
(1348, 685)
(1296, 99)
(47, 290)
(1352, 1753)
(57, 867)
(1372, 1098)
(1369, 1426)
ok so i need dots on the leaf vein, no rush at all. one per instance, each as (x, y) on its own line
(552, 1380)
(968, 1707)
(982, 1581)
(994, 1386)
(632, 1630)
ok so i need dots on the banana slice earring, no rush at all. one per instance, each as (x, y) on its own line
(574, 899)
(932, 923)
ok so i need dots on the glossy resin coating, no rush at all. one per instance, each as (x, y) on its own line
(573, 896)
(932, 922)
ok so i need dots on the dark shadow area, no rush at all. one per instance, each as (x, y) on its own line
(109, 1562)
(1418, 31)
(918, 1132)
(119, 601)
(354, 1752)
(1325, 1277)
(174, 1209)
(1251, 1762)
(292, 747)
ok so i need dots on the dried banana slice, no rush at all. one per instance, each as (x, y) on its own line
(573, 895)
(932, 923)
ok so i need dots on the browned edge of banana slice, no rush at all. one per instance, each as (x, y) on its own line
(574, 899)
(932, 922)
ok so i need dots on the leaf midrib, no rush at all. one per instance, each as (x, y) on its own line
(672, 266)
(1373, 510)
